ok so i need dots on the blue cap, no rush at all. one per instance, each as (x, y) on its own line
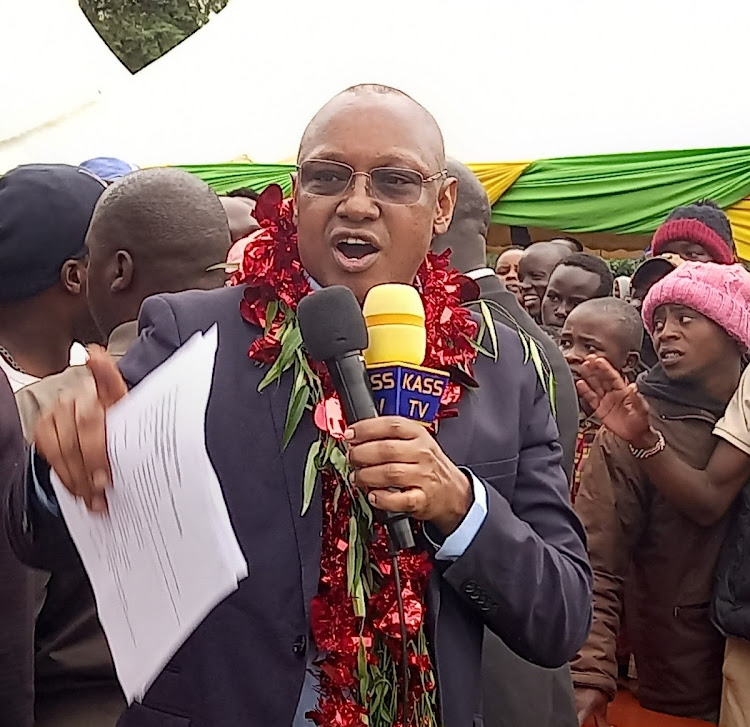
(108, 168)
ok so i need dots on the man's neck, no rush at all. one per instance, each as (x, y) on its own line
(721, 384)
(38, 344)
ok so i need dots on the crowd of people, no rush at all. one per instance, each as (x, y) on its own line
(639, 461)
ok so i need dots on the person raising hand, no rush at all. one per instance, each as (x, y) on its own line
(701, 495)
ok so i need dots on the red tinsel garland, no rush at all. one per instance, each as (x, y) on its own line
(272, 271)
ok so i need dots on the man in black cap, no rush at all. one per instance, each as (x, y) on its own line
(45, 211)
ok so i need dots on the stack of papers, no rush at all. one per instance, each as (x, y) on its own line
(165, 553)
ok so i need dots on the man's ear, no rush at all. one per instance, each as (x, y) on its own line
(446, 202)
(73, 276)
(295, 198)
(631, 362)
(124, 272)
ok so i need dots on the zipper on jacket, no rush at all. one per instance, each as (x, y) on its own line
(707, 418)
(691, 607)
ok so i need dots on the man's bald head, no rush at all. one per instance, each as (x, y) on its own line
(377, 95)
(355, 232)
(467, 234)
(153, 231)
(534, 271)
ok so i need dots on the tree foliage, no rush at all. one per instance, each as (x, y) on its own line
(140, 31)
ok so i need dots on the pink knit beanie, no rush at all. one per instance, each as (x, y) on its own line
(719, 292)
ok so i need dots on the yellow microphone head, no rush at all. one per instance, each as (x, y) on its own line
(394, 316)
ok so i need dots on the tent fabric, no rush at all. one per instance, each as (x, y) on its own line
(521, 81)
(739, 216)
(623, 193)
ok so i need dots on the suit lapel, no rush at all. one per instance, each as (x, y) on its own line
(307, 528)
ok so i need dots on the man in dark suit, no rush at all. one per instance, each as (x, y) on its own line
(510, 552)
(514, 691)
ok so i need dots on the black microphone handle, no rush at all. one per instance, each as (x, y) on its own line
(350, 379)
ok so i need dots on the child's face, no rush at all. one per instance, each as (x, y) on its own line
(589, 332)
(568, 287)
(690, 346)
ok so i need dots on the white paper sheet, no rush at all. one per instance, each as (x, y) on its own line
(166, 553)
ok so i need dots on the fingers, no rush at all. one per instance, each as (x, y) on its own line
(90, 425)
(637, 402)
(72, 439)
(48, 446)
(371, 430)
(382, 451)
(410, 500)
(110, 385)
(588, 394)
(601, 377)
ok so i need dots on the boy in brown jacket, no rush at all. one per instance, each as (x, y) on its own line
(698, 319)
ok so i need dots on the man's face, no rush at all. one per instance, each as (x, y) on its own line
(568, 287)
(353, 238)
(689, 346)
(507, 270)
(588, 333)
(534, 271)
(687, 250)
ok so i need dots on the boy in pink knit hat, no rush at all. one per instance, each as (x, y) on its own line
(703, 495)
(632, 496)
(697, 232)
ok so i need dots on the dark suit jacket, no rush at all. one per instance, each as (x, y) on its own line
(516, 693)
(16, 586)
(492, 288)
(525, 574)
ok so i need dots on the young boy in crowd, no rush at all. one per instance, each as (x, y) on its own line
(574, 280)
(697, 316)
(606, 327)
(704, 496)
(646, 275)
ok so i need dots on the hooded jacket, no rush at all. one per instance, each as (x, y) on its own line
(678, 651)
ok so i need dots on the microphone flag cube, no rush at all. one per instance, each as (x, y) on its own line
(406, 390)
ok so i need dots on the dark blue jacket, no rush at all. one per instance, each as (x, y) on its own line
(525, 575)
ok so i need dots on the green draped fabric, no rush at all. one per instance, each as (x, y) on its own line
(623, 193)
(224, 178)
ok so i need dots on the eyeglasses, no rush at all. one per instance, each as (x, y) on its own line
(388, 184)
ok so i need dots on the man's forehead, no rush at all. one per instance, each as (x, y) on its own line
(385, 128)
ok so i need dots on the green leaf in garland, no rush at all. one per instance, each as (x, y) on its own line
(311, 472)
(338, 462)
(271, 310)
(364, 678)
(297, 405)
(490, 324)
(291, 340)
(525, 344)
(351, 556)
(552, 392)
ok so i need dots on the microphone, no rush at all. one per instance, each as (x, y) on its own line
(401, 386)
(334, 333)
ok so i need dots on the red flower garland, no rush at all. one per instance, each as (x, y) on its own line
(272, 271)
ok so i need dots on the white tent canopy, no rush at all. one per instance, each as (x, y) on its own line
(53, 65)
(506, 80)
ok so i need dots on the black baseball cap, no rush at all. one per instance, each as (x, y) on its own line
(45, 210)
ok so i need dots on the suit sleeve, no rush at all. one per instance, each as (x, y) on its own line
(526, 570)
(36, 531)
(612, 504)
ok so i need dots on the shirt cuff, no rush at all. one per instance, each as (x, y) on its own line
(38, 495)
(455, 545)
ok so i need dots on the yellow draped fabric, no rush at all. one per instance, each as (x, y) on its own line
(497, 178)
(739, 216)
